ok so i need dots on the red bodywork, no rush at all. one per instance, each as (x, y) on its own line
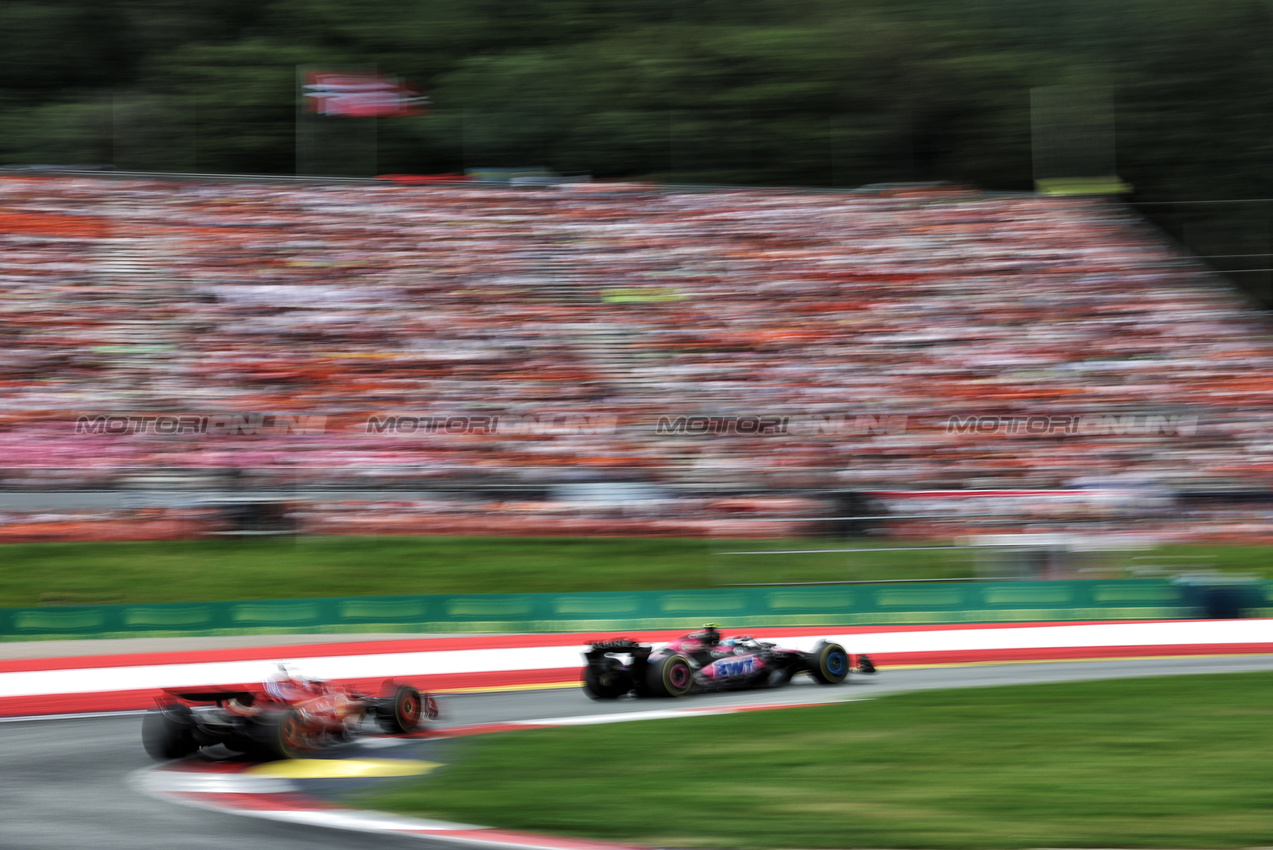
(326, 709)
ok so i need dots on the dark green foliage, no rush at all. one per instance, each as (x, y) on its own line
(755, 92)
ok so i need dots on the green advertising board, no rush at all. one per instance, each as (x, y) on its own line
(736, 607)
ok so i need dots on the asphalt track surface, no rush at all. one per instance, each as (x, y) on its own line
(68, 782)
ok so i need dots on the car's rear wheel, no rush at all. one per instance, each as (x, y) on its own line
(282, 736)
(670, 676)
(403, 712)
(607, 681)
(168, 733)
(829, 663)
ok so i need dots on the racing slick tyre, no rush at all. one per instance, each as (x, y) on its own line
(829, 663)
(402, 713)
(610, 681)
(670, 676)
(168, 733)
(281, 736)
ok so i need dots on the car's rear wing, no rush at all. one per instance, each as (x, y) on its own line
(213, 695)
(618, 646)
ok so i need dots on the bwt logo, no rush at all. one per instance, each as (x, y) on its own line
(736, 667)
(800, 426)
(1087, 425)
(232, 425)
(568, 424)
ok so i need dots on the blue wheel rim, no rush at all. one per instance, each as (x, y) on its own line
(837, 662)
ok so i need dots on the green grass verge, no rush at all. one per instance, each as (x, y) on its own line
(1179, 762)
(284, 568)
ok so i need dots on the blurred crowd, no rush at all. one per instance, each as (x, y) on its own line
(871, 319)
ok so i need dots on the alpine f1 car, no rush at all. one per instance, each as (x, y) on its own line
(285, 717)
(701, 661)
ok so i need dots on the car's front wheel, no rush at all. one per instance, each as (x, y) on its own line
(403, 713)
(829, 663)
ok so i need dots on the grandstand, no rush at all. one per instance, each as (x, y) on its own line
(589, 319)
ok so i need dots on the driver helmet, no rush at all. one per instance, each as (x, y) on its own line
(286, 685)
(710, 635)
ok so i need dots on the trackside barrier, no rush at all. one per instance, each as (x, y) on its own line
(743, 607)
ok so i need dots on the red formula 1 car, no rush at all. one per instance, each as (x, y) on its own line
(702, 661)
(285, 717)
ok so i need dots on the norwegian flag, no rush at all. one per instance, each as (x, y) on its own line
(361, 95)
